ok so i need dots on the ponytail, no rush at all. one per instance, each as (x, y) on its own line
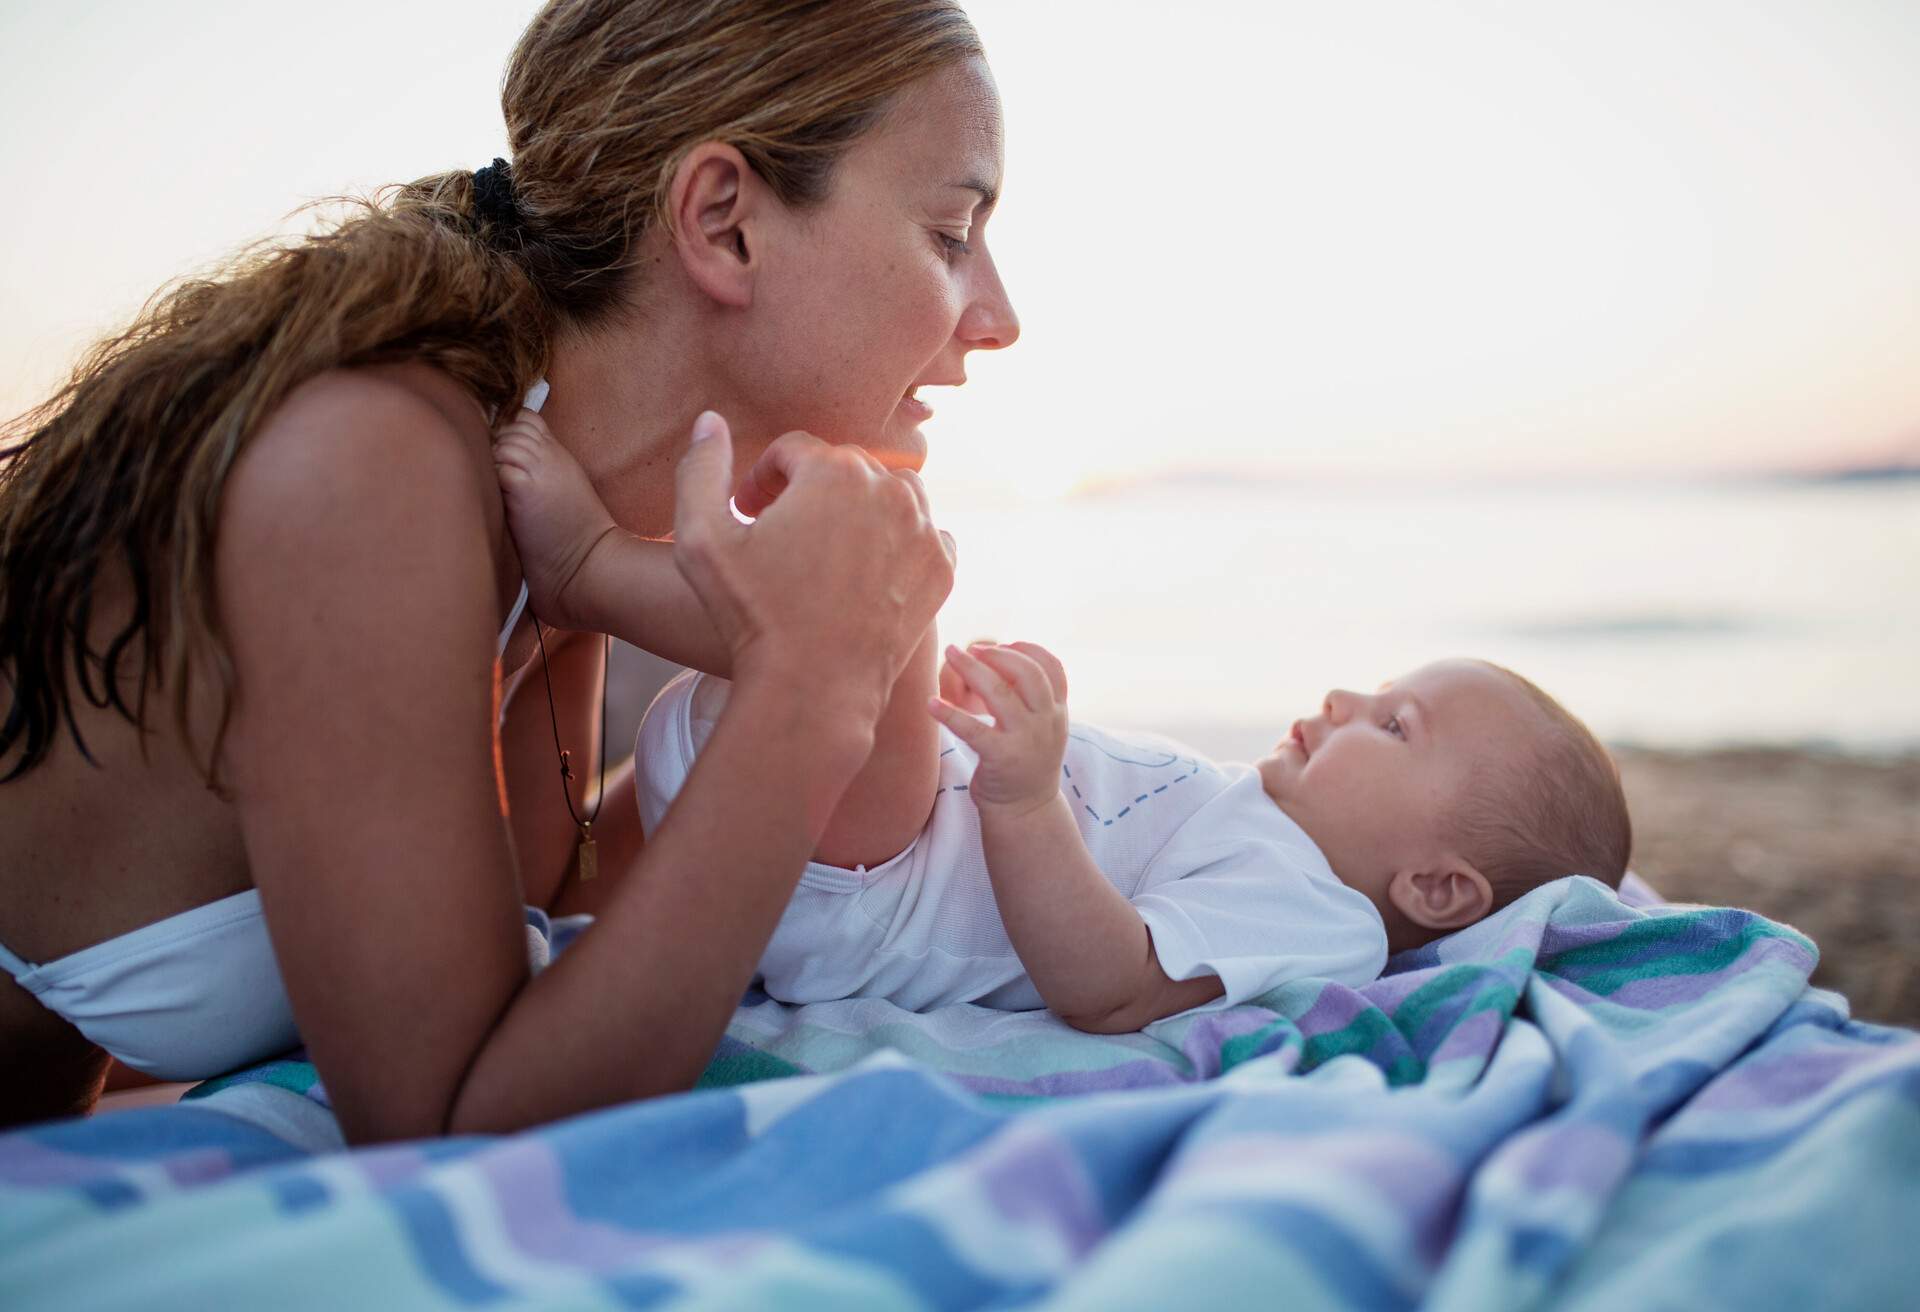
(120, 473)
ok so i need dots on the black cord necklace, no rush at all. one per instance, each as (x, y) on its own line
(587, 859)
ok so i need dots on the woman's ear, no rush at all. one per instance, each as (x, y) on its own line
(1449, 896)
(713, 207)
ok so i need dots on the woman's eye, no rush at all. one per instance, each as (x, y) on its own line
(1394, 727)
(953, 247)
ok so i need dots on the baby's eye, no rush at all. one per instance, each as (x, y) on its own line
(1394, 727)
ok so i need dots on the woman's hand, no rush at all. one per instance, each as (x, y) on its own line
(835, 582)
(1024, 687)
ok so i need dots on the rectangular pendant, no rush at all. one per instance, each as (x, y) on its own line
(588, 860)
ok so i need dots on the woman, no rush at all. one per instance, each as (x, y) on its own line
(253, 573)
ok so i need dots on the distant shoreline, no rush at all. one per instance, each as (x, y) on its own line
(1239, 742)
(1255, 479)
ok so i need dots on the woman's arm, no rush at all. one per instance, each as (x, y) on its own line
(355, 585)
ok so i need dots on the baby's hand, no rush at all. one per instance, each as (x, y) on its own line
(553, 512)
(1024, 687)
(954, 689)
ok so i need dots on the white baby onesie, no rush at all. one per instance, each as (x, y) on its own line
(1227, 883)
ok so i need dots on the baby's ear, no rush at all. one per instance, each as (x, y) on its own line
(1447, 896)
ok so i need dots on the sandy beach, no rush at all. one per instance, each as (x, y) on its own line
(1828, 843)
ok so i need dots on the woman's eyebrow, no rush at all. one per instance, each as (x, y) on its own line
(989, 196)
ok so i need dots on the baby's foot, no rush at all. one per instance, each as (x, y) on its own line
(556, 517)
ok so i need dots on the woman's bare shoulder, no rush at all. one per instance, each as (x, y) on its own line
(370, 429)
(360, 467)
(351, 446)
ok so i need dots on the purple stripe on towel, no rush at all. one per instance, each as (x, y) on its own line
(27, 1163)
(1590, 1158)
(525, 1181)
(1756, 1084)
(1475, 1037)
(1334, 1009)
(1040, 1182)
(1146, 1073)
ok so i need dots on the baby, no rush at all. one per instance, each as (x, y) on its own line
(995, 852)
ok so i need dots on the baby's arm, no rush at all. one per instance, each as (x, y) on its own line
(586, 572)
(1087, 950)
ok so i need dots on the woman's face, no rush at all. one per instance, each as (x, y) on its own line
(885, 286)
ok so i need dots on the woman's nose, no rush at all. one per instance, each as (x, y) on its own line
(989, 323)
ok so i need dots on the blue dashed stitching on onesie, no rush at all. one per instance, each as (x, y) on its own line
(1128, 809)
(1169, 757)
(1066, 771)
(1122, 813)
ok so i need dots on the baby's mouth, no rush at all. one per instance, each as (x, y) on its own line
(1299, 739)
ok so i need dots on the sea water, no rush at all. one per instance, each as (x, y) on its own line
(1680, 614)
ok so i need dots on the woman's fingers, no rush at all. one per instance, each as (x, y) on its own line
(836, 579)
(771, 473)
(919, 489)
(759, 489)
(702, 524)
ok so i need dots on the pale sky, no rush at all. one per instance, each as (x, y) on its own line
(1411, 236)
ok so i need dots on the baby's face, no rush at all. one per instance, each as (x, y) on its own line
(1374, 777)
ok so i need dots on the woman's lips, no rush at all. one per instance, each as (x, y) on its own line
(915, 409)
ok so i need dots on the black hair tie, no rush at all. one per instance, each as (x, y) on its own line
(494, 202)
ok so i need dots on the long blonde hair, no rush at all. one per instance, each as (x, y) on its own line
(124, 466)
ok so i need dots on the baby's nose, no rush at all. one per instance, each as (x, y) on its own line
(1339, 705)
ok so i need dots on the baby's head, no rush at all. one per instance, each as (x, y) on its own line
(1449, 793)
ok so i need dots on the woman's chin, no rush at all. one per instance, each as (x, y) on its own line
(902, 444)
